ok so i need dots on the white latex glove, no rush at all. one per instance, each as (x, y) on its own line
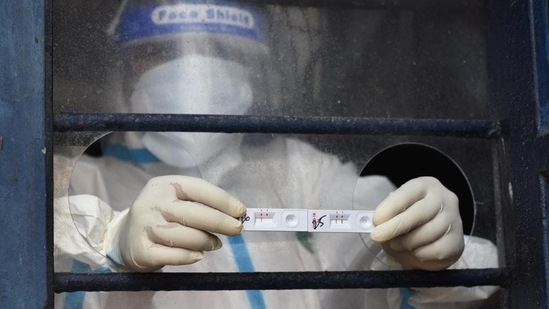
(172, 221)
(419, 225)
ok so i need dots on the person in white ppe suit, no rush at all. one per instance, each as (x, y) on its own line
(170, 201)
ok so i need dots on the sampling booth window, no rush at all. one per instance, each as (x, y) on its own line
(172, 198)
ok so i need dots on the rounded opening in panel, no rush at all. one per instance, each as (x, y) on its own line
(395, 165)
(109, 174)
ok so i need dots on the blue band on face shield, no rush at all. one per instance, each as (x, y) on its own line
(152, 21)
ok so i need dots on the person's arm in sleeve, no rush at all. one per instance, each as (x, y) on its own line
(171, 222)
(80, 229)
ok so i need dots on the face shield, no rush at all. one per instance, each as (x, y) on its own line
(190, 58)
(152, 33)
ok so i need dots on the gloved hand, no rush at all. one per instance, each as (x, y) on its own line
(419, 225)
(172, 220)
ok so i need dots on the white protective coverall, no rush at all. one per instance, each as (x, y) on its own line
(285, 172)
(279, 173)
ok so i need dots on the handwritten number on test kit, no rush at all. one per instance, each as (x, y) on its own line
(244, 219)
(318, 223)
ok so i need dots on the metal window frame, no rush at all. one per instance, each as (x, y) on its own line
(518, 54)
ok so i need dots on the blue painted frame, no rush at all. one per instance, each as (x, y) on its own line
(539, 13)
(26, 272)
(520, 74)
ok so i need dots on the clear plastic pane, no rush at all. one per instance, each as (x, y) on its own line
(423, 61)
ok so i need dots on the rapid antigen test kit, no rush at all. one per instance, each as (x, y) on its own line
(308, 220)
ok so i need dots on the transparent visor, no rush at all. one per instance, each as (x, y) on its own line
(195, 74)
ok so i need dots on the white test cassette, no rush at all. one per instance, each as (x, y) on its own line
(308, 220)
